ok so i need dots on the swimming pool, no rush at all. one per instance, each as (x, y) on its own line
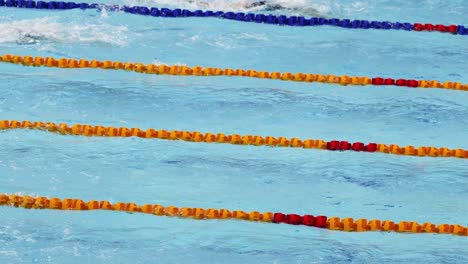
(359, 185)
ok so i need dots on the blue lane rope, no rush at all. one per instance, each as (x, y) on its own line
(249, 17)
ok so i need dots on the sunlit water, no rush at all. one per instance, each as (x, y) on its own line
(344, 184)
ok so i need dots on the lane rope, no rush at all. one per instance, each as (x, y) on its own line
(243, 17)
(333, 223)
(235, 139)
(208, 71)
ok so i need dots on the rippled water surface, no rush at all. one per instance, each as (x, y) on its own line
(299, 181)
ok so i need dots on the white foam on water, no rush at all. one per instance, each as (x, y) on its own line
(27, 194)
(306, 7)
(159, 62)
(8, 253)
(49, 30)
(253, 36)
(222, 5)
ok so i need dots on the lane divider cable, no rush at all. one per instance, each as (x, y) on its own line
(281, 20)
(208, 71)
(254, 140)
(332, 223)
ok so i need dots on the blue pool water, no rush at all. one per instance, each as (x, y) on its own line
(344, 184)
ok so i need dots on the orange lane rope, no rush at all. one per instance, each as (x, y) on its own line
(207, 71)
(101, 131)
(333, 223)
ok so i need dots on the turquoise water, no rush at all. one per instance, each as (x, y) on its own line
(344, 184)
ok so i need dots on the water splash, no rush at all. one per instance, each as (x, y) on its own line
(300, 7)
(48, 30)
